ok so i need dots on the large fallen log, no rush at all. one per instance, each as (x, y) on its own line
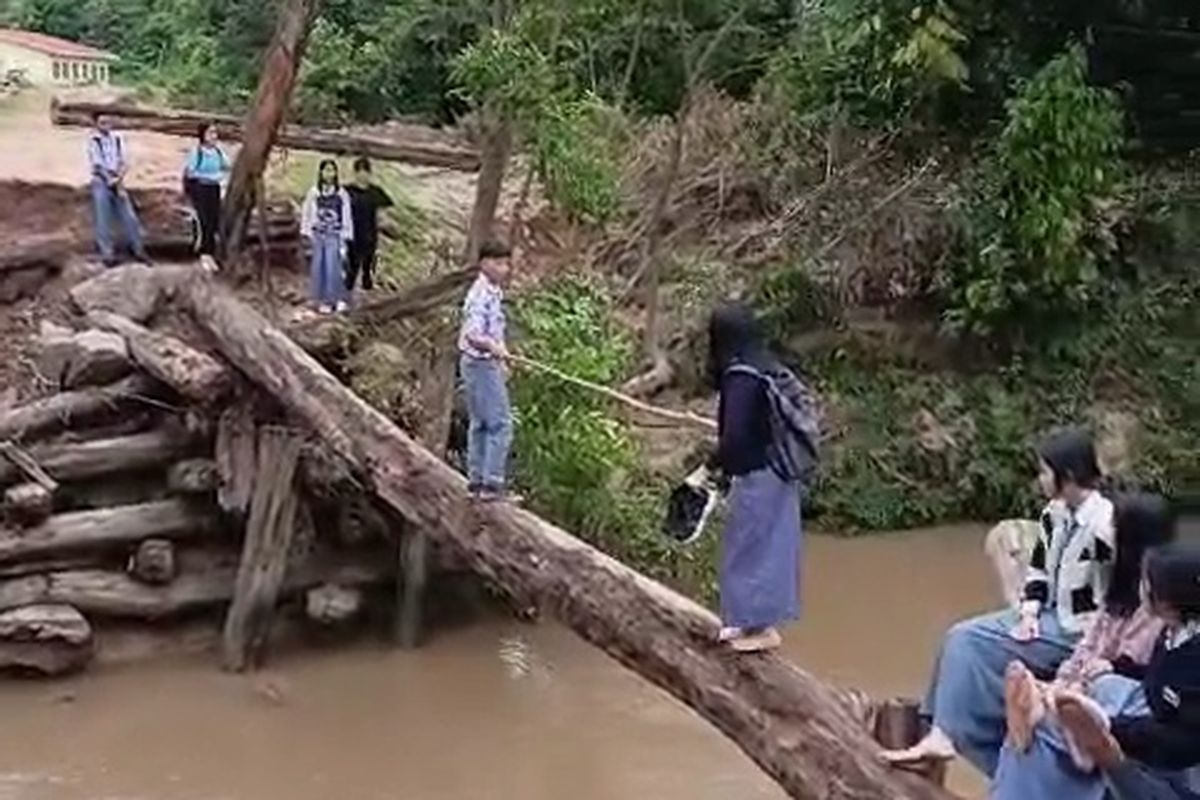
(428, 153)
(116, 594)
(66, 410)
(80, 460)
(65, 534)
(788, 722)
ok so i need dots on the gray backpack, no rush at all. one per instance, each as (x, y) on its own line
(795, 422)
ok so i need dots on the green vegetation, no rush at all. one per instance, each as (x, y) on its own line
(1024, 285)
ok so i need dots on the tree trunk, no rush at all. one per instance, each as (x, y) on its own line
(438, 150)
(266, 114)
(497, 147)
(76, 461)
(784, 719)
(196, 376)
(110, 527)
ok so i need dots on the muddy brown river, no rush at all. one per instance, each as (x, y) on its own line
(499, 710)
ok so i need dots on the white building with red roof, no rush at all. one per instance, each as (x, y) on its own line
(50, 61)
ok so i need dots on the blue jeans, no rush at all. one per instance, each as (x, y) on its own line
(328, 283)
(107, 201)
(489, 436)
(966, 697)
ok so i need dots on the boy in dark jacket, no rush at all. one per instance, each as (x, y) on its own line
(1145, 757)
(366, 199)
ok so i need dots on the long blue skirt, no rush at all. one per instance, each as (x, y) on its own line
(1046, 771)
(761, 552)
(966, 696)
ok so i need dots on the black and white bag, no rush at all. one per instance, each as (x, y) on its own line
(690, 507)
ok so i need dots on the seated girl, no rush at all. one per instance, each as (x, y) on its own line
(1123, 636)
(1133, 739)
(1067, 577)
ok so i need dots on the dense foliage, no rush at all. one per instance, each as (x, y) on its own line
(1036, 246)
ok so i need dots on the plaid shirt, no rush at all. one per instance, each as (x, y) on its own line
(483, 317)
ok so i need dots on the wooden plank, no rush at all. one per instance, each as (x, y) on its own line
(269, 533)
(237, 458)
(413, 572)
(791, 724)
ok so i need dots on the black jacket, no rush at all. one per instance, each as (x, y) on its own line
(1170, 738)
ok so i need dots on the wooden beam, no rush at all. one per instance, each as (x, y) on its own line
(237, 458)
(94, 459)
(789, 723)
(265, 550)
(115, 594)
(67, 410)
(270, 105)
(65, 534)
(423, 147)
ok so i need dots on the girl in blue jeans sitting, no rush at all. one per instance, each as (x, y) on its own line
(1067, 579)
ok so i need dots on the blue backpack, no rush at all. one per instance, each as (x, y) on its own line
(795, 422)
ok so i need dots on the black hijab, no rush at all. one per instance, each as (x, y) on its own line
(734, 336)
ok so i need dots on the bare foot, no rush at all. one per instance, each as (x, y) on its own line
(936, 746)
(766, 639)
(1023, 708)
(1087, 734)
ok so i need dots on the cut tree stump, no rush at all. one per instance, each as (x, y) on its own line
(196, 376)
(104, 457)
(49, 639)
(68, 410)
(268, 541)
(78, 531)
(789, 723)
(27, 504)
(237, 458)
(194, 476)
(154, 562)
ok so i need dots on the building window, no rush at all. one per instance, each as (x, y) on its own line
(75, 71)
(57, 71)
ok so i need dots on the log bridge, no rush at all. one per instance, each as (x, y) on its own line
(214, 476)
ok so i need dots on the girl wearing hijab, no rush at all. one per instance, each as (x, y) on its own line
(761, 546)
(1068, 578)
(326, 221)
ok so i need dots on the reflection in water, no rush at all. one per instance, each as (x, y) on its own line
(500, 710)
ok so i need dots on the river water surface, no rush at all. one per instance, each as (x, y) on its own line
(496, 711)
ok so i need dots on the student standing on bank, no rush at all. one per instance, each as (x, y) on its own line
(366, 199)
(484, 375)
(326, 221)
(203, 174)
(108, 160)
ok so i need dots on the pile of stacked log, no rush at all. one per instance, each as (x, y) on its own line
(153, 487)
